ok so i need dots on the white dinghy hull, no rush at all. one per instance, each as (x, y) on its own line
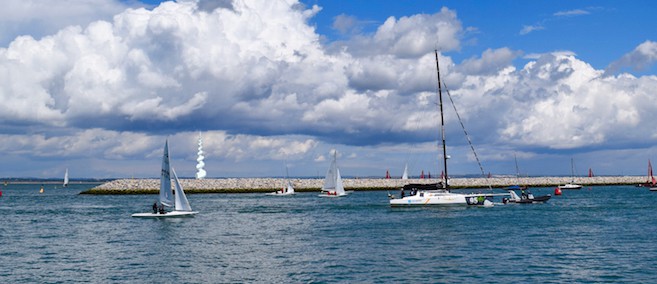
(172, 214)
(331, 195)
(280, 194)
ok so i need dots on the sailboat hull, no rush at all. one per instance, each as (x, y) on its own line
(333, 194)
(431, 199)
(172, 214)
(570, 186)
(278, 193)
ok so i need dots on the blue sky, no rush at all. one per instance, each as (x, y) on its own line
(98, 87)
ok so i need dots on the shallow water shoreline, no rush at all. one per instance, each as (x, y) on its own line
(252, 185)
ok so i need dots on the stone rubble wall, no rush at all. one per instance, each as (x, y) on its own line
(259, 184)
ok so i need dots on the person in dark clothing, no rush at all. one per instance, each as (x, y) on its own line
(161, 208)
(155, 208)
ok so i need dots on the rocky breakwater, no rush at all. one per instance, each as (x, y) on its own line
(246, 185)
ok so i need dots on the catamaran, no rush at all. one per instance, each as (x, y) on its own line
(439, 193)
(333, 182)
(169, 198)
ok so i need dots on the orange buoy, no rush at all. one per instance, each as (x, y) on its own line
(557, 191)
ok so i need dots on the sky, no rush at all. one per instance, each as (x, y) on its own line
(97, 86)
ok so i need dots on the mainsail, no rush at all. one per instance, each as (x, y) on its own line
(166, 196)
(66, 178)
(405, 175)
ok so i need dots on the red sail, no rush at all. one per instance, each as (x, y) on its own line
(649, 169)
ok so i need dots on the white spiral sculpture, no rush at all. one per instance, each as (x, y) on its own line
(200, 173)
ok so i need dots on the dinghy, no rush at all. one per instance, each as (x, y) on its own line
(333, 182)
(168, 198)
(66, 178)
(286, 191)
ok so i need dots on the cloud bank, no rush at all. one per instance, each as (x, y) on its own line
(263, 85)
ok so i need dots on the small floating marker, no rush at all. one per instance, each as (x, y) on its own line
(557, 191)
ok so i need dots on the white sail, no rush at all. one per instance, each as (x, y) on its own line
(166, 196)
(66, 178)
(290, 188)
(333, 180)
(405, 175)
(182, 204)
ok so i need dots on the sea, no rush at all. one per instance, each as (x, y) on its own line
(601, 234)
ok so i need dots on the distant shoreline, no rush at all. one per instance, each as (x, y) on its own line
(255, 185)
(49, 182)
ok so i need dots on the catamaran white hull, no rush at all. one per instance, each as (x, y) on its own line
(429, 198)
(172, 214)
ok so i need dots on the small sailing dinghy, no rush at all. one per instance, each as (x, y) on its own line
(168, 198)
(651, 183)
(66, 178)
(286, 191)
(333, 182)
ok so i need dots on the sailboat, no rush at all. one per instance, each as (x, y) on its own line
(571, 184)
(333, 182)
(175, 199)
(651, 182)
(66, 178)
(287, 190)
(437, 193)
(405, 174)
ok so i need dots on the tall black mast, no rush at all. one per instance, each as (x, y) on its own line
(442, 120)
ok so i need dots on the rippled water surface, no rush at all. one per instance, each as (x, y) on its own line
(598, 234)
